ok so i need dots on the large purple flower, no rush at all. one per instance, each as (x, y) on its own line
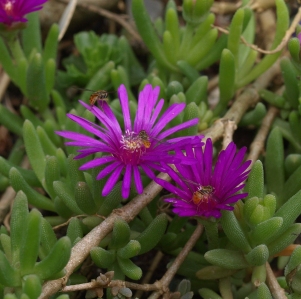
(142, 145)
(204, 192)
(12, 11)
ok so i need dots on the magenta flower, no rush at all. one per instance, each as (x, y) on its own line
(141, 146)
(204, 192)
(12, 11)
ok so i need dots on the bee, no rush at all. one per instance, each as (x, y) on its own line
(202, 194)
(99, 95)
(144, 138)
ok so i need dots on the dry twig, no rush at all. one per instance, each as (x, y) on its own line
(257, 145)
(172, 270)
(6, 202)
(230, 127)
(112, 16)
(150, 271)
(276, 291)
(283, 43)
(248, 98)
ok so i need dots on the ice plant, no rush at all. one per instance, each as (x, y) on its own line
(141, 146)
(202, 191)
(12, 11)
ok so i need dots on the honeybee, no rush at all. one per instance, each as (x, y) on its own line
(99, 95)
(202, 194)
(144, 138)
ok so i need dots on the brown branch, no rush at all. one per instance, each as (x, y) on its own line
(276, 290)
(82, 249)
(223, 8)
(172, 270)
(112, 16)
(150, 272)
(248, 98)
(230, 127)
(4, 82)
(258, 143)
(283, 43)
(6, 202)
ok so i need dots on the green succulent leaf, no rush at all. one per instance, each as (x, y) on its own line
(102, 258)
(9, 276)
(31, 241)
(274, 162)
(214, 272)
(285, 239)
(32, 286)
(265, 231)
(18, 218)
(74, 230)
(130, 250)
(65, 193)
(234, 231)
(48, 239)
(258, 256)
(256, 181)
(120, 235)
(129, 268)
(263, 292)
(84, 199)
(34, 150)
(150, 237)
(34, 197)
(56, 260)
(228, 259)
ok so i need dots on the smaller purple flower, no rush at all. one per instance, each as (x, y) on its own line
(143, 144)
(204, 192)
(12, 11)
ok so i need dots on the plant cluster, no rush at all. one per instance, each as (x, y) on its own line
(91, 171)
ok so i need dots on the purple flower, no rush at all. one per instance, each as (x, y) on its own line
(204, 192)
(12, 11)
(141, 146)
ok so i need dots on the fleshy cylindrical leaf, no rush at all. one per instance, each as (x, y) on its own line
(34, 197)
(256, 181)
(150, 237)
(263, 292)
(120, 235)
(74, 230)
(129, 250)
(274, 162)
(102, 258)
(9, 276)
(64, 192)
(129, 268)
(32, 286)
(30, 242)
(214, 272)
(234, 231)
(34, 150)
(258, 255)
(36, 85)
(229, 259)
(84, 199)
(18, 218)
(56, 260)
(264, 231)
